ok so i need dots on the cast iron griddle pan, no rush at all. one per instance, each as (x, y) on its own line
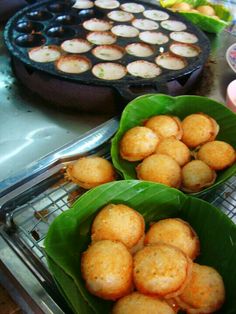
(52, 22)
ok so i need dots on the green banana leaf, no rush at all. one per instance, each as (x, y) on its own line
(206, 23)
(143, 107)
(69, 236)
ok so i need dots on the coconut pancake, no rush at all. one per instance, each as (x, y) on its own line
(141, 304)
(174, 148)
(138, 143)
(145, 24)
(155, 38)
(101, 38)
(90, 171)
(120, 16)
(197, 175)
(217, 155)
(106, 267)
(125, 31)
(108, 52)
(139, 50)
(109, 71)
(173, 25)
(184, 37)
(170, 61)
(156, 15)
(176, 232)
(44, 54)
(161, 270)
(73, 64)
(118, 222)
(160, 168)
(76, 45)
(165, 126)
(97, 25)
(132, 7)
(144, 69)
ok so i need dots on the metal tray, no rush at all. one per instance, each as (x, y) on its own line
(25, 199)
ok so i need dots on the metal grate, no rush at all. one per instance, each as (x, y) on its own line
(34, 218)
(225, 198)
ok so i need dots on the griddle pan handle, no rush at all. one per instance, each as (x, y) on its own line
(130, 92)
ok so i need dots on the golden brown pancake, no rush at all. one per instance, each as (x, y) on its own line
(118, 222)
(205, 292)
(199, 128)
(176, 232)
(160, 168)
(206, 10)
(91, 171)
(174, 148)
(137, 303)
(138, 143)
(165, 126)
(161, 270)
(217, 154)
(197, 175)
(106, 267)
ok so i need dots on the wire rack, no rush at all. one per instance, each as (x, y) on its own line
(34, 217)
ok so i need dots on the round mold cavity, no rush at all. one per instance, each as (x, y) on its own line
(28, 27)
(66, 19)
(76, 45)
(145, 24)
(144, 69)
(31, 40)
(87, 14)
(132, 7)
(73, 64)
(120, 16)
(101, 38)
(60, 32)
(39, 15)
(109, 71)
(125, 31)
(108, 52)
(83, 4)
(172, 25)
(170, 61)
(185, 50)
(156, 15)
(139, 50)
(44, 54)
(97, 25)
(107, 4)
(154, 38)
(184, 37)
(58, 7)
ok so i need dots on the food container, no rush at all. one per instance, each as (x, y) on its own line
(206, 23)
(154, 202)
(140, 109)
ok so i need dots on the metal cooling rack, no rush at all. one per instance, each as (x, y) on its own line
(34, 217)
(225, 198)
(30, 204)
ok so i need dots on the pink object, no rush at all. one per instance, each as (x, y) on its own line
(231, 96)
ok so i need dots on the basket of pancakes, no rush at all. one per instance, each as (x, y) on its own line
(210, 17)
(135, 246)
(185, 142)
